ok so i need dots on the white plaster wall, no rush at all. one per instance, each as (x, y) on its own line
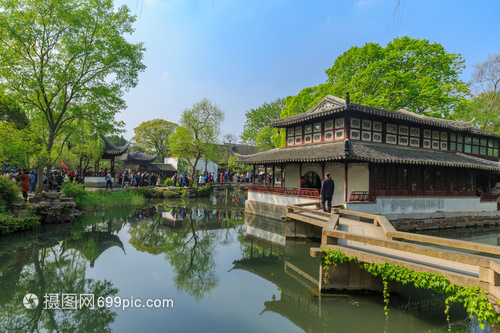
(279, 200)
(358, 179)
(337, 172)
(292, 176)
(172, 161)
(419, 205)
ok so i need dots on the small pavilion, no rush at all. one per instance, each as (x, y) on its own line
(111, 151)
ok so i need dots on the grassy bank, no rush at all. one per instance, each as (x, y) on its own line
(113, 199)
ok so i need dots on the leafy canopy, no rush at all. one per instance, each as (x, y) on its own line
(153, 135)
(67, 60)
(257, 119)
(484, 107)
(407, 73)
(198, 131)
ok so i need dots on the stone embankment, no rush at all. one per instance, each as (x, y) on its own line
(50, 207)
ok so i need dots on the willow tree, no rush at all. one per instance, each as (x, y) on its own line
(67, 60)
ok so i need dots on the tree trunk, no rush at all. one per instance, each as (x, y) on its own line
(47, 163)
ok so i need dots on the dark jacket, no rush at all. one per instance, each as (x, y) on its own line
(327, 188)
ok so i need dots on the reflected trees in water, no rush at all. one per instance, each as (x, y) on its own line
(188, 237)
(42, 269)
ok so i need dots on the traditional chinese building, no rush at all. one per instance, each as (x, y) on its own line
(382, 162)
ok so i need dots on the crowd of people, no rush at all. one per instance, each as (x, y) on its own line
(52, 179)
(183, 179)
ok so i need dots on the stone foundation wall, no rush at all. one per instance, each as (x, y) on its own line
(445, 222)
(271, 211)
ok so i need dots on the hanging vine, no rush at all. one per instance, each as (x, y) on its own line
(474, 299)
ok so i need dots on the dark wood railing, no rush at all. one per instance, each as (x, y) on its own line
(297, 192)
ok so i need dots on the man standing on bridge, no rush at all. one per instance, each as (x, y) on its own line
(327, 189)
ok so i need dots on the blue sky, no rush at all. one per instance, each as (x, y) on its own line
(242, 53)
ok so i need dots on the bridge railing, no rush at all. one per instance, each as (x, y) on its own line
(488, 268)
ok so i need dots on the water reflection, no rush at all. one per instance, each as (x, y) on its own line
(36, 263)
(185, 235)
(286, 263)
(234, 272)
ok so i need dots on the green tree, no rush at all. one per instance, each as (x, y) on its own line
(118, 141)
(16, 144)
(484, 107)
(153, 135)
(67, 60)
(411, 74)
(257, 119)
(198, 130)
(11, 113)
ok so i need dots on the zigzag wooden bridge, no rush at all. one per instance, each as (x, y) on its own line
(372, 238)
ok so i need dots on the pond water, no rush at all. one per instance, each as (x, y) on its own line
(202, 266)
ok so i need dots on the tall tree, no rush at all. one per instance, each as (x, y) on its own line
(484, 107)
(153, 135)
(411, 74)
(257, 119)
(198, 130)
(67, 60)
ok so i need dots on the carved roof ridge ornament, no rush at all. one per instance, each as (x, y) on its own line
(347, 99)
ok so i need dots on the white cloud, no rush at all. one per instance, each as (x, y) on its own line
(151, 2)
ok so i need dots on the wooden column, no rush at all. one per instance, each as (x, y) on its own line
(265, 174)
(489, 182)
(300, 174)
(274, 179)
(283, 175)
(253, 178)
(322, 171)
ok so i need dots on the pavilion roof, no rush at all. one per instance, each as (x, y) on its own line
(331, 105)
(137, 157)
(348, 150)
(112, 150)
(162, 167)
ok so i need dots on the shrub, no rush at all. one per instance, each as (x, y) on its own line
(145, 192)
(169, 182)
(9, 191)
(75, 191)
(170, 194)
(9, 223)
(157, 194)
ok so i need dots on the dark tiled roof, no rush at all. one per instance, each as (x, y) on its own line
(244, 149)
(331, 105)
(368, 152)
(112, 150)
(161, 167)
(137, 156)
